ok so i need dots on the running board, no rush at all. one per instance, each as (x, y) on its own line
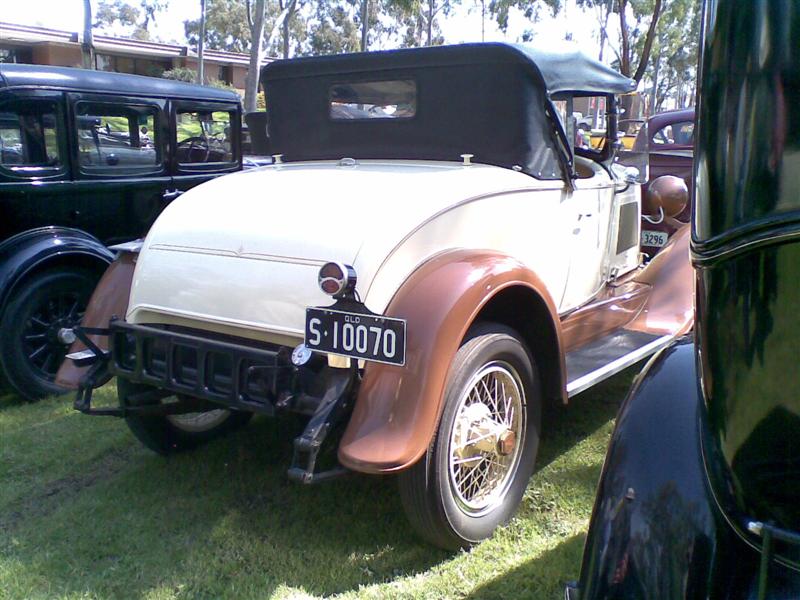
(607, 356)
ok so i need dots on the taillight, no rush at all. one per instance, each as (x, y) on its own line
(336, 279)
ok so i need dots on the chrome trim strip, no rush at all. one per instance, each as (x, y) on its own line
(623, 362)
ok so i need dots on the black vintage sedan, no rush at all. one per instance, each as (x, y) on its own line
(700, 488)
(88, 159)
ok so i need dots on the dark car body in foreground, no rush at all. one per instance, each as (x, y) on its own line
(699, 493)
(88, 159)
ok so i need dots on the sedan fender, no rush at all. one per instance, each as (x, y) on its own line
(398, 408)
(29, 250)
(109, 300)
(654, 525)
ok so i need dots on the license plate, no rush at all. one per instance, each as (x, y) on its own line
(366, 337)
(655, 239)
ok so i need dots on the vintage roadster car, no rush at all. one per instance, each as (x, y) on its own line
(478, 266)
(699, 492)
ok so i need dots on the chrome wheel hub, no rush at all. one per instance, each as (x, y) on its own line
(485, 448)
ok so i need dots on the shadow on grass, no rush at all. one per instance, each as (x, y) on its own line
(564, 426)
(541, 577)
(7, 399)
(224, 521)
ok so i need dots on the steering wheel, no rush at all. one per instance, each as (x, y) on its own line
(195, 142)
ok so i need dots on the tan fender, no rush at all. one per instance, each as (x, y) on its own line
(670, 305)
(110, 298)
(398, 408)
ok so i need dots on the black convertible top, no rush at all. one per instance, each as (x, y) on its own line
(559, 72)
(67, 78)
(494, 101)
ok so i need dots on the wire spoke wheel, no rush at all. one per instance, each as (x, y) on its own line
(473, 475)
(199, 421)
(484, 451)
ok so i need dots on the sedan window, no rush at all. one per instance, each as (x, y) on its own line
(204, 137)
(676, 134)
(114, 139)
(29, 137)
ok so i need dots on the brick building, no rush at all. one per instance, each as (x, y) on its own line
(43, 46)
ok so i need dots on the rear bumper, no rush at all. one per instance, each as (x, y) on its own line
(236, 375)
(206, 373)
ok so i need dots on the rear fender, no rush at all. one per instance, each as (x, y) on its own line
(398, 408)
(31, 250)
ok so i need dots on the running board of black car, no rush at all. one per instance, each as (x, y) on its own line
(607, 356)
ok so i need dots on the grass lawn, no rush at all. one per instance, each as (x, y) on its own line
(85, 512)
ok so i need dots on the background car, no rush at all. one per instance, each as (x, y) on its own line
(668, 142)
(88, 159)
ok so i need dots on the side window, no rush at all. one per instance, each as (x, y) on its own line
(117, 139)
(676, 134)
(29, 135)
(204, 137)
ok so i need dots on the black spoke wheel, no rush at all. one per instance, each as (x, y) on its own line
(31, 349)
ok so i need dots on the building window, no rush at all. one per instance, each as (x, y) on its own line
(225, 74)
(138, 66)
(16, 55)
(104, 62)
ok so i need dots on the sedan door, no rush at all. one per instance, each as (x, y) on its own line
(120, 164)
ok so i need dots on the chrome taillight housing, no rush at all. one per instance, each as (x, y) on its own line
(337, 280)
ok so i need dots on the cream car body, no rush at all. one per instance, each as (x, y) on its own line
(203, 248)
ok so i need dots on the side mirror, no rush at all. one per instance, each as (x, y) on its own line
(666, 196)
(112, 160)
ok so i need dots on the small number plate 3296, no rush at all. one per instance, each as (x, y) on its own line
(656, 239)
(362, 336)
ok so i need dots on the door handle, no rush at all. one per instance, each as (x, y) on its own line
(171, 194)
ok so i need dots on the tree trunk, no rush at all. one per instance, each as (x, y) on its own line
(256, 54)
(287, 21)
(87, 46)
(201, 44)
(648, 43)
(364, 24)
(625, 58)
(430, 22)
(654, 91)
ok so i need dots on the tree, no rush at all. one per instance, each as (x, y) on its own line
(135, 19)
(420, 19)
(531, 10)
(630, 37)
(635, 42)
(255, 18)
(227, 26)
(333, 29)
(673, 69)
